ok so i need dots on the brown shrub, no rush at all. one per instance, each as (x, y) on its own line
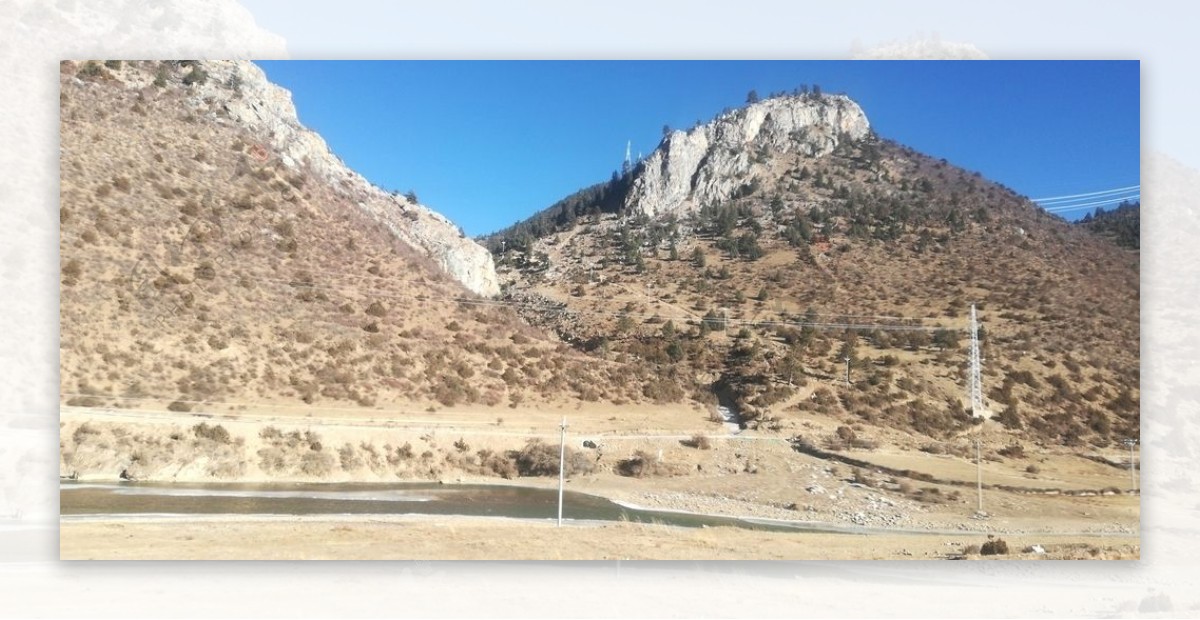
(213, 433)
(316, 463)
(83, 432)
(349, 458)
(663, 391)
(642, 464)
(499, 464)
(1015, 451)
(994, 547)
(539, 458)
(85, 401)
(376, 309)
(71, 271)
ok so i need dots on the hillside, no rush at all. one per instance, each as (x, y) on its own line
(1122, 224)
(217, 256)
(748, 256)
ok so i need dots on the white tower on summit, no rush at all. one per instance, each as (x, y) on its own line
(628, 165)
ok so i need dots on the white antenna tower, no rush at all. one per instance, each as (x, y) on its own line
(976, 382)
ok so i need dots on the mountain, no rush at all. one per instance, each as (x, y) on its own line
(237, 305)
(216, 254)
(1123, 224)
(748, 257)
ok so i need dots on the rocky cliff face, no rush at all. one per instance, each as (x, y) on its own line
(241, 90)
(709, 163)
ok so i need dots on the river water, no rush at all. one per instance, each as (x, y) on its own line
(143, 498)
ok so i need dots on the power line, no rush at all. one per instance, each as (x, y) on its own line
(1099, 193)
(1084, 205)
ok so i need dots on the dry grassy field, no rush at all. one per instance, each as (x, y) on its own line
(460, 538)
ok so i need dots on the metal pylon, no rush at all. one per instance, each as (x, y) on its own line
(976, 381)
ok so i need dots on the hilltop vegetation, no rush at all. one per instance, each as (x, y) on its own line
(1122, 224)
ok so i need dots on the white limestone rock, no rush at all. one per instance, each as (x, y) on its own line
(266, 110)
(707, 164)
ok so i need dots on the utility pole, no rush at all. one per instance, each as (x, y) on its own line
(979, 473)
(847, 358)
(1131, 442)
(562, 453)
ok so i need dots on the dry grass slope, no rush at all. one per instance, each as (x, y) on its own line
(718, 298)
(198, 270)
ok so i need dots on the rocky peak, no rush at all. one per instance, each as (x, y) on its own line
(708, 163)
(241, 91)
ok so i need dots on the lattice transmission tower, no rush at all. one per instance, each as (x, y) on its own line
(976, 382)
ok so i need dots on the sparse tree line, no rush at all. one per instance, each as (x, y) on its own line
(1123, 224)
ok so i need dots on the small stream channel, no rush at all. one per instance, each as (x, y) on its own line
(726, 409)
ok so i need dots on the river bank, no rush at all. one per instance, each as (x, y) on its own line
(746, 476)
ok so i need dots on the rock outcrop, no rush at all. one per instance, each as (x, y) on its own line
(711, 162)
(242, 92)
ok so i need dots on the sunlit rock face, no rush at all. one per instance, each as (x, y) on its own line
(241, 91)
(708, 163)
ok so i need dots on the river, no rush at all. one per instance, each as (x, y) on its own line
(145, 498)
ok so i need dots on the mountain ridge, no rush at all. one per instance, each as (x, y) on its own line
(200, 269)
(861, 225)
(1122, 223)
(239, 92)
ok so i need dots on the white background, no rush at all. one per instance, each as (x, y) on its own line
(35, 35)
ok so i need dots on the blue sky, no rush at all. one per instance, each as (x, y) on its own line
(488, 143)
